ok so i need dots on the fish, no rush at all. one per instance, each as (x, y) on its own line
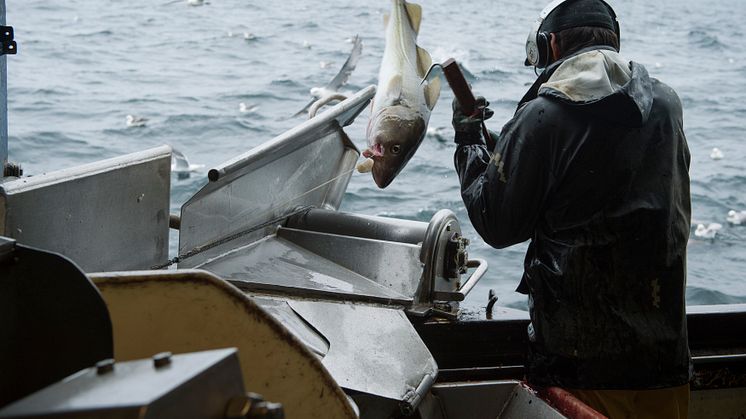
(400, 110)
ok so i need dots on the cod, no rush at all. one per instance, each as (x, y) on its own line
(401, 107)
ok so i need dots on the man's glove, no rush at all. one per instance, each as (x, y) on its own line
(469, 128)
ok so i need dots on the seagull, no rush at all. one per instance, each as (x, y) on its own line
(248, 36)
(708, 232)
(247, 108)
(736, 217)
(180, 165)
(329, 93)
(136, 121)
(716, 154)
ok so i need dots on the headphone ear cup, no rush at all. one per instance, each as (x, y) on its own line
(542, 44)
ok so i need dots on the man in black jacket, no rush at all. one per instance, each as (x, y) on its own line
(593, 169)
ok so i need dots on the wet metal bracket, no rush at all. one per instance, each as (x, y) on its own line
(8, 45)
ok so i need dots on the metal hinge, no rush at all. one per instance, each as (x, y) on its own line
(8, 45)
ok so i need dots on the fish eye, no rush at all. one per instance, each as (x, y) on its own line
(396, 148)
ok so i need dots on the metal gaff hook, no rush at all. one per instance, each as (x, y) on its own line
(428, 75)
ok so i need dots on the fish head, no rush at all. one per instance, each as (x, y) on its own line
(393, 137)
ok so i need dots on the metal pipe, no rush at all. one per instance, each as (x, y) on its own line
(358, 225)
(3, 99)
(295, 138)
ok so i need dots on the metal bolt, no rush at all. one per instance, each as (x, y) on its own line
(267, 410)
(275, 410)
(104, 366)
(162, 359)
(238, 407)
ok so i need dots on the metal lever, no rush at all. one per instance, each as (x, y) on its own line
(462, 91)
(461, 293)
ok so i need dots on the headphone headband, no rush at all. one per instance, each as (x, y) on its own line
(537, 44)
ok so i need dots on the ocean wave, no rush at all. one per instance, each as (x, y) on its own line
(704, 39)
(702, 296)
(102, 32)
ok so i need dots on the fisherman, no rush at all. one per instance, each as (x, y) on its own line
(593, 169)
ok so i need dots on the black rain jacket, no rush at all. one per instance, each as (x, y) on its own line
(593, 169)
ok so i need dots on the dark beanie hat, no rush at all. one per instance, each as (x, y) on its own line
(576, 13)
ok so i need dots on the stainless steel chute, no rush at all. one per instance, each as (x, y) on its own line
(343, 283)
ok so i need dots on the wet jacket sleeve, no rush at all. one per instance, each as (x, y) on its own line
(504, 191)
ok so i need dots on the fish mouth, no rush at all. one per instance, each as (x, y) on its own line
(376, 150)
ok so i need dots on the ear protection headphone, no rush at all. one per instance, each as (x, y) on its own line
(537, 45)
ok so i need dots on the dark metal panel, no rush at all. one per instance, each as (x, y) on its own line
(198, 384)
(496, 349)
(53, 321)
(3, 100)
(476, 344)
(714, 329)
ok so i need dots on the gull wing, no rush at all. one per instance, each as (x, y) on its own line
(343, 75)
(348, 67)
(305, 108)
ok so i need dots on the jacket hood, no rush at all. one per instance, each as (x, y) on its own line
(604, 84)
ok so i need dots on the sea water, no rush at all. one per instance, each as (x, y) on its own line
(84, 65)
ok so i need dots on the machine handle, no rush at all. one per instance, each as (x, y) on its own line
(460, 87)
(464, 95)
(461, 293)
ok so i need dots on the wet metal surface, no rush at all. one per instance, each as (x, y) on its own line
(273, 179)
(393, 265)
(280, 310)
(108, 215)
(277, 264)
(371, 349)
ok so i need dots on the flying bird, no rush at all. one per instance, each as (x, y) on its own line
(330, 92)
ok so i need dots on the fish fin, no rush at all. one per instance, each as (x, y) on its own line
(394, 87)
(415, 15)
(432, 90)
(385, 20)
(424, 61)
